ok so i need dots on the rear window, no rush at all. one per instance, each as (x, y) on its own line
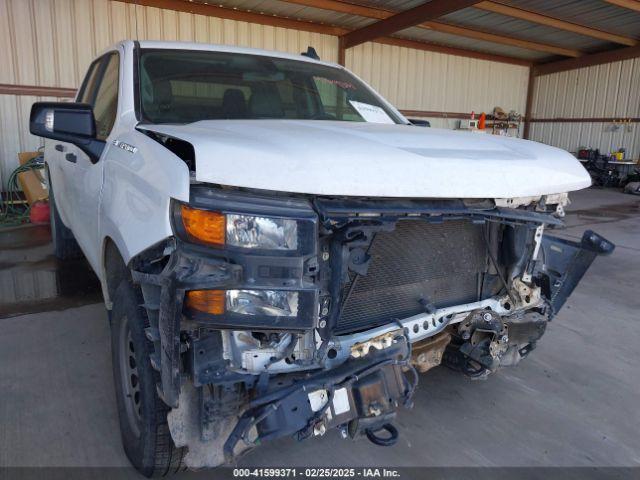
(187, 86)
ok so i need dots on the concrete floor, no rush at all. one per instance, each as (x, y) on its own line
(573, 402)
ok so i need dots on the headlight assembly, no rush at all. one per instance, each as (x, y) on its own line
(273, 303)
(239, 230)
(266, 233)
(259, 266)
(270, 303)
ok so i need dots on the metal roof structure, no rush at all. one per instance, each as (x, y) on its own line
(551, 33)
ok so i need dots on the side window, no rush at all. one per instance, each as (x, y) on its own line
(105, 100)
(89, 84)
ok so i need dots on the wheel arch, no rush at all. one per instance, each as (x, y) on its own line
(114, 269)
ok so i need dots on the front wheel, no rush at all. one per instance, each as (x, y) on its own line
(145, 433)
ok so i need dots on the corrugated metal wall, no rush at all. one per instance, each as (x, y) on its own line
(51, 42)
(420, 80)
(601, 91)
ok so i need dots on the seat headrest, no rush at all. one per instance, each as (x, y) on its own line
(265, 103)
(162, 93)
(234, 104)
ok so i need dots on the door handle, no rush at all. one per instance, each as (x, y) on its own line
(71, 157)
(60, 148)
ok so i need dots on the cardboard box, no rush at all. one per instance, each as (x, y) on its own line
(32, 182)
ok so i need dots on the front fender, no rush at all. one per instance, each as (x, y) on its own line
(139, 184)
(138, 188)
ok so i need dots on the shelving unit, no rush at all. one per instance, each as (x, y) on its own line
(502, 125)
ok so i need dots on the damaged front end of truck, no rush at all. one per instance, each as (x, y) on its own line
(280, 315)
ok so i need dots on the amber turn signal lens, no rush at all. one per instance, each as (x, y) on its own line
(203, 225)
(209, 301)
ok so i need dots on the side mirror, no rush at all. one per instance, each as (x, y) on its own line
(419, 123)
(68, 122)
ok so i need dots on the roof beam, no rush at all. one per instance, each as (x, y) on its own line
(549, 21)
(492, 37)
(630, 4)
(381, 14)
(405, 19)
(344, 7)
(432, 47)
(587, 60)
(239, 15)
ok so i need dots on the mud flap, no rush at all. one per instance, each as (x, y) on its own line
(563, 263)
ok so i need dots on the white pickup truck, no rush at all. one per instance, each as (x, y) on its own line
(281, 251)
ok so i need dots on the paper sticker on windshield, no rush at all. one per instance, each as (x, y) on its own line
(371, 113)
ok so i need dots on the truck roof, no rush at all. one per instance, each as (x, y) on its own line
(211, 47)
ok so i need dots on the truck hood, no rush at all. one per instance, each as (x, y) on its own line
(374, 160)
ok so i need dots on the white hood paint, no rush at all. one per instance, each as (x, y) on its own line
(374, 160)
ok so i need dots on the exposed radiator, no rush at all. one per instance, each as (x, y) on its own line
(440, 263)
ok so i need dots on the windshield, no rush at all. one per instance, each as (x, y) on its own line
(184, 86)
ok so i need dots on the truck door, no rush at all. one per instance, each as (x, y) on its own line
(62, 172)
(88, 176)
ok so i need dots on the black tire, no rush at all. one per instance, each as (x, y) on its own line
(65, 246)
(143, 415)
